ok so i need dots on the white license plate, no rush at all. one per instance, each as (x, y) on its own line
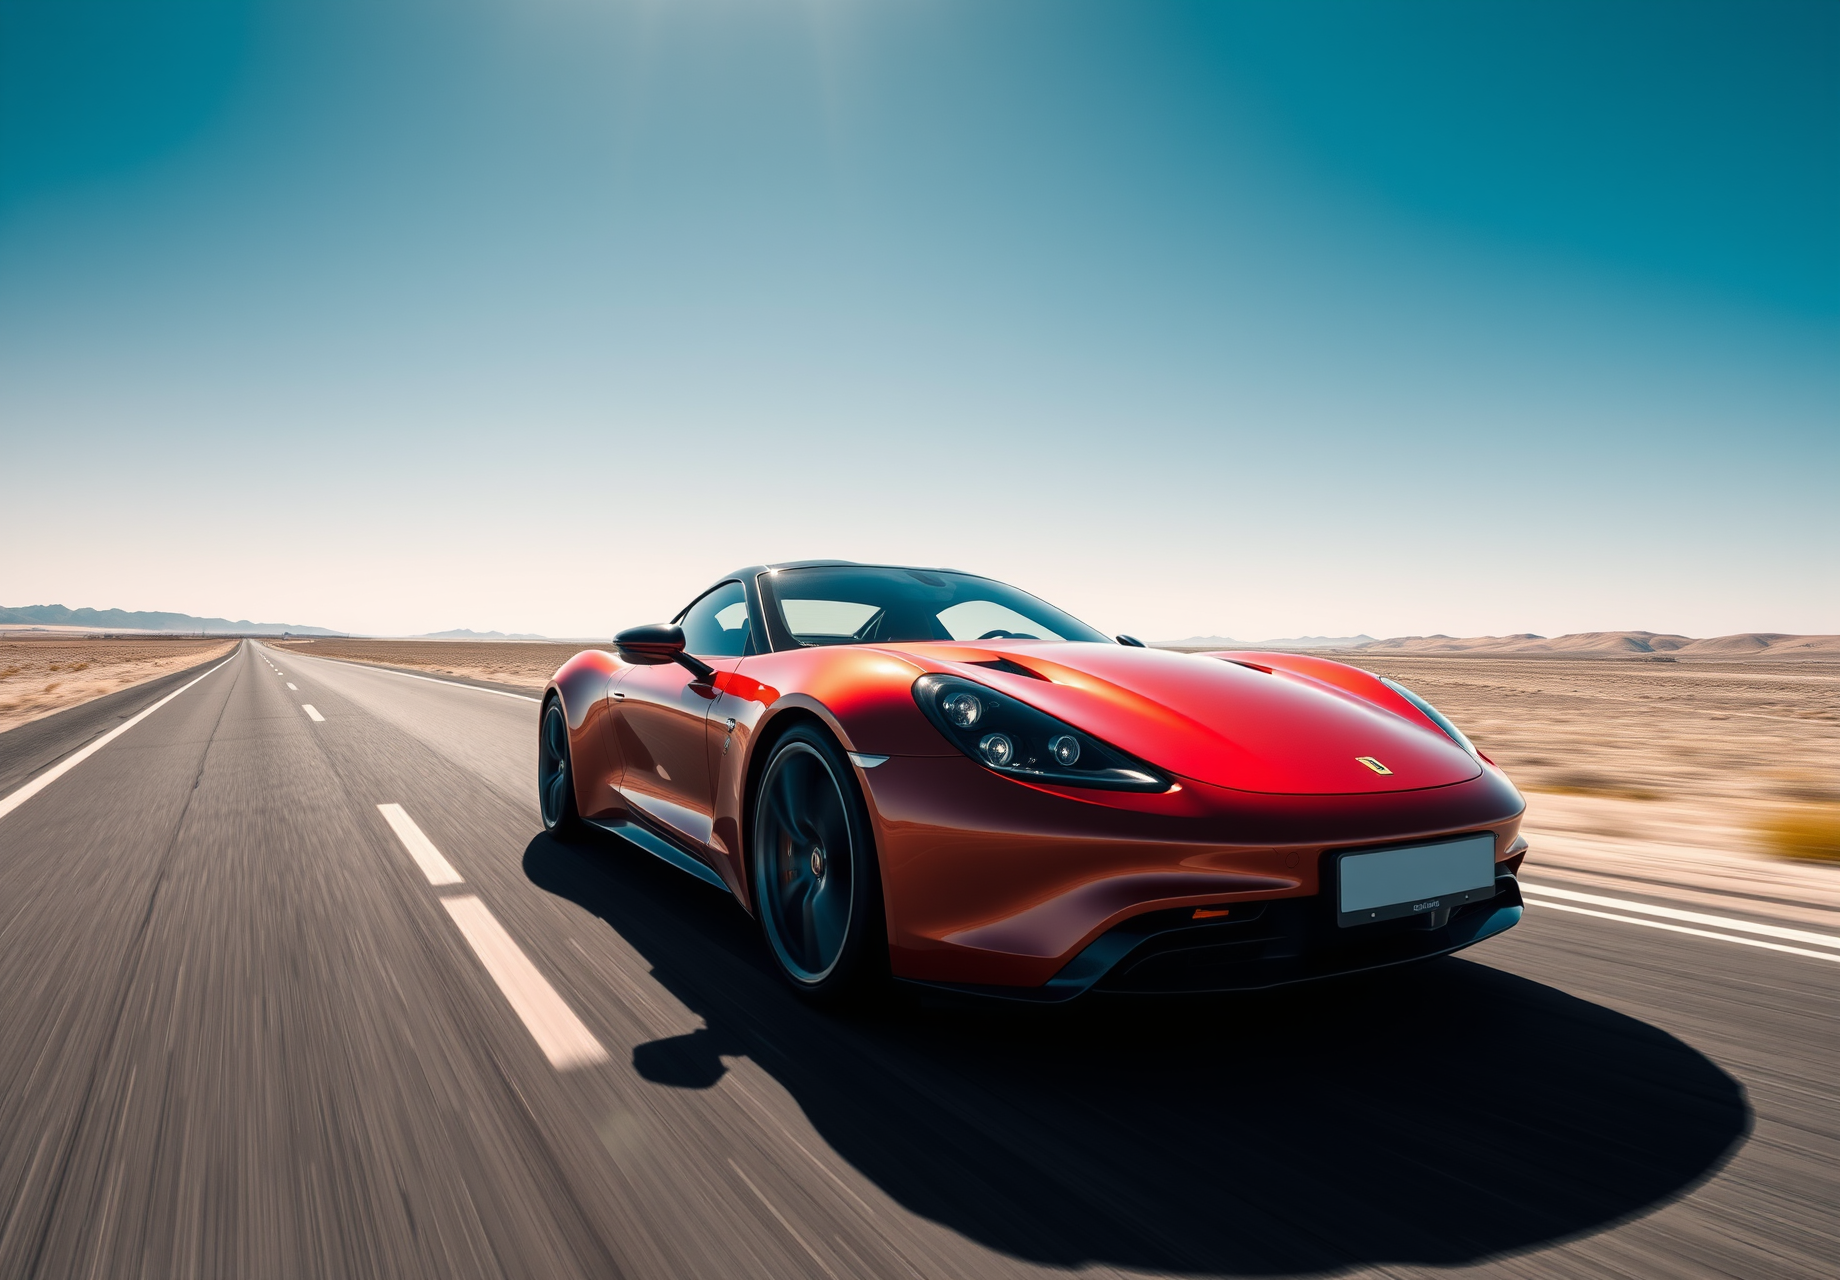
(1410, 881)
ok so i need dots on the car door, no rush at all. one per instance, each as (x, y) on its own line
(662, 712)
(596, 750)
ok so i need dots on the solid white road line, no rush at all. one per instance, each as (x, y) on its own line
(291, 685)
(565, 1041)
(312, 713)
(420, 847)
(64, 766)
(1690, 917)
(1681, 928)
(452, 684)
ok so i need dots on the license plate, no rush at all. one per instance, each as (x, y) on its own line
(1410, 881)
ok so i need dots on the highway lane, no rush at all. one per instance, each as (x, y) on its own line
(27, 749)
(248, 1035)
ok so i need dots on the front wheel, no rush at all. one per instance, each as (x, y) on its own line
(816, 884)
(555, 775)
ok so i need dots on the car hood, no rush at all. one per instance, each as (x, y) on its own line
(1217, 721)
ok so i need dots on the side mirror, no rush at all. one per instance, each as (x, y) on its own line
(661, 642)
(1130, 641)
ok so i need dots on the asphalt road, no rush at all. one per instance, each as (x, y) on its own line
(246, 1034)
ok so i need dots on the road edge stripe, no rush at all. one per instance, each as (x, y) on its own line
(410, 675)
(1690, 917)
(65, 765)
(1681, 928)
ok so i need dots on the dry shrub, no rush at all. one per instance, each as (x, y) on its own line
(1812, 831)
(1582, 783)
(13, 670)
(53, 686)
(1804, 786)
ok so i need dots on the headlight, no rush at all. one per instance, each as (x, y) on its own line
(1437, 717)
(1013, 738)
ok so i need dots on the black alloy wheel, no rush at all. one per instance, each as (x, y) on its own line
(555, 777)
(816, 884)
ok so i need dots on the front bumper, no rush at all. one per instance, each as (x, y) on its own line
(988, 882)
(1270, 944)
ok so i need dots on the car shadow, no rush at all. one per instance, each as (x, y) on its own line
(1438, 1114)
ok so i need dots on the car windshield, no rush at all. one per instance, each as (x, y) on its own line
(854, 604)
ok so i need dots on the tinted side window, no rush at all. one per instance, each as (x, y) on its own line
(717, 625)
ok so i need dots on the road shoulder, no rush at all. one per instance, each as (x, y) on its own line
(29, 749)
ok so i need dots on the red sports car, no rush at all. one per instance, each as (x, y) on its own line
(930, 776)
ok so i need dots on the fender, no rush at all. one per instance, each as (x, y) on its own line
(582, 685)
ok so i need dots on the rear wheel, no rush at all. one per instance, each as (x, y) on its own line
(555, 775)
(816, 883)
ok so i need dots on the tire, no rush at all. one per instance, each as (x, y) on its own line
(556, 775)
(817, 886)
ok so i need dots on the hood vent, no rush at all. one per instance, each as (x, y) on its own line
(1013, 668)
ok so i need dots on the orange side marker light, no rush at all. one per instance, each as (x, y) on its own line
(1209, 913)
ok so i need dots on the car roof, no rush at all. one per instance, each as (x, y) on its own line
(839, 564)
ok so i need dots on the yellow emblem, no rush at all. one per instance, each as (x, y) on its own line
(1374, 764)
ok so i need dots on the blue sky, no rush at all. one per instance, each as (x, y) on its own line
(1195, 318)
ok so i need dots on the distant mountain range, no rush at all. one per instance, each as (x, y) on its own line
(56, 615)
(463, 633)
(1294, 642)
(1749, 644)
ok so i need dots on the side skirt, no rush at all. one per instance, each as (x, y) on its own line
(662, 849)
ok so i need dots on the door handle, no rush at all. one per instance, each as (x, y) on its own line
(618, 696)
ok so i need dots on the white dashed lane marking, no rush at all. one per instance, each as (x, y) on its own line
(565, 1041)
(291, 686)
(420, 847)
(312, 713)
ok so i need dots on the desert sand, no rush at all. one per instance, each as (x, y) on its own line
(1666, 774)
(1730, 733)
(46, 673)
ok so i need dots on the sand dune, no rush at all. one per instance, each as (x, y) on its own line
(1585, 644)
(1768, 643)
